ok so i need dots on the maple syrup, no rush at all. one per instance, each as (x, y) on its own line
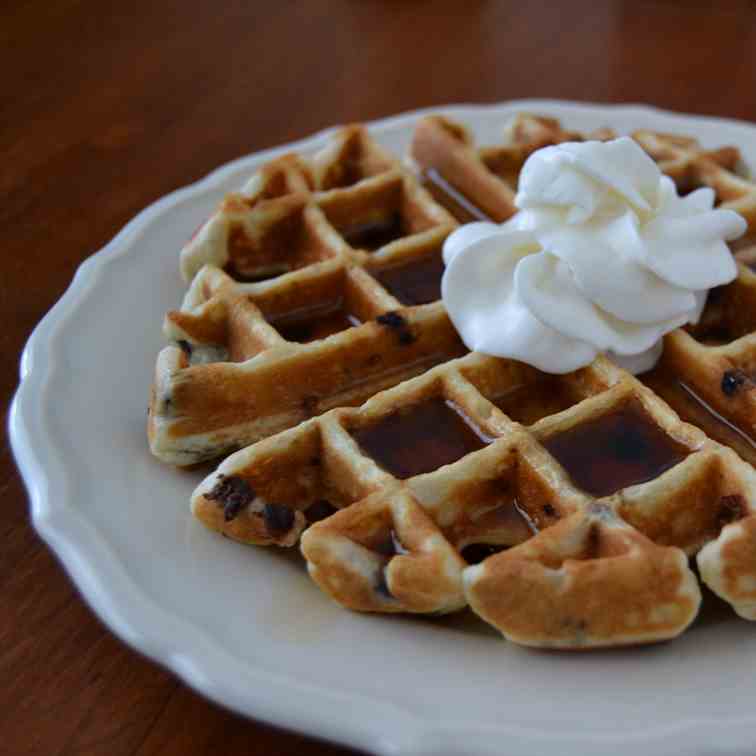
(474, 553)
(374, 234)
(527, 403)
(416, 282)
(619, 449)
(309, 325)
(499, 527)
(693, 409)
(421, 438)
(450, 198)
(265, 274)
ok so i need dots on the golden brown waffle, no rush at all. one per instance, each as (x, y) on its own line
(691, 167)
(342, 301)
(707, 371)
(231, 238)
(444, 153)
(595, 488)
(595, 484)
(323, 231)
(487, 176)
(344, 238)
(448, 160)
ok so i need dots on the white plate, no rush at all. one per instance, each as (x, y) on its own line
(245, 626)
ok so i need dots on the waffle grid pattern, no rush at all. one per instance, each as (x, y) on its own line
(708, 372)
(487, 176)
(598, 571)
(247, 358)
(296, 315)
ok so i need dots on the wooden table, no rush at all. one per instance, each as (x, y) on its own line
(106, 107)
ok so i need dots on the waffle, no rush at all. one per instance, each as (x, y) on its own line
(334, 239)
(446, 154)
(460, 484)
(706, 372)
(301, 300)
(486, 178)
(230, 237)
(595, 488)
(690, 166)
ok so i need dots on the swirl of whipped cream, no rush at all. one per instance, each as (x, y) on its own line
(604, 256)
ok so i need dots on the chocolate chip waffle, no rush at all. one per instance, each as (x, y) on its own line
(560, 508)
(314, 287)
(345, 245)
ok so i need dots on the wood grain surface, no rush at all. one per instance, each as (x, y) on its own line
(107, 106)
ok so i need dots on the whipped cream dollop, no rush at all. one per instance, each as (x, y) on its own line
(603, 256)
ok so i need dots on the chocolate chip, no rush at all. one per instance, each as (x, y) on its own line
(278, 517)
(232, 508)
(731, 508)
(397, 323)
(232, 493)
(406, 337)
(186, 347)
(392, 320)
(732, 380)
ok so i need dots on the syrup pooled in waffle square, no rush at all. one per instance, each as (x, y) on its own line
(487, 177)
(561, 509)
(315, 288)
